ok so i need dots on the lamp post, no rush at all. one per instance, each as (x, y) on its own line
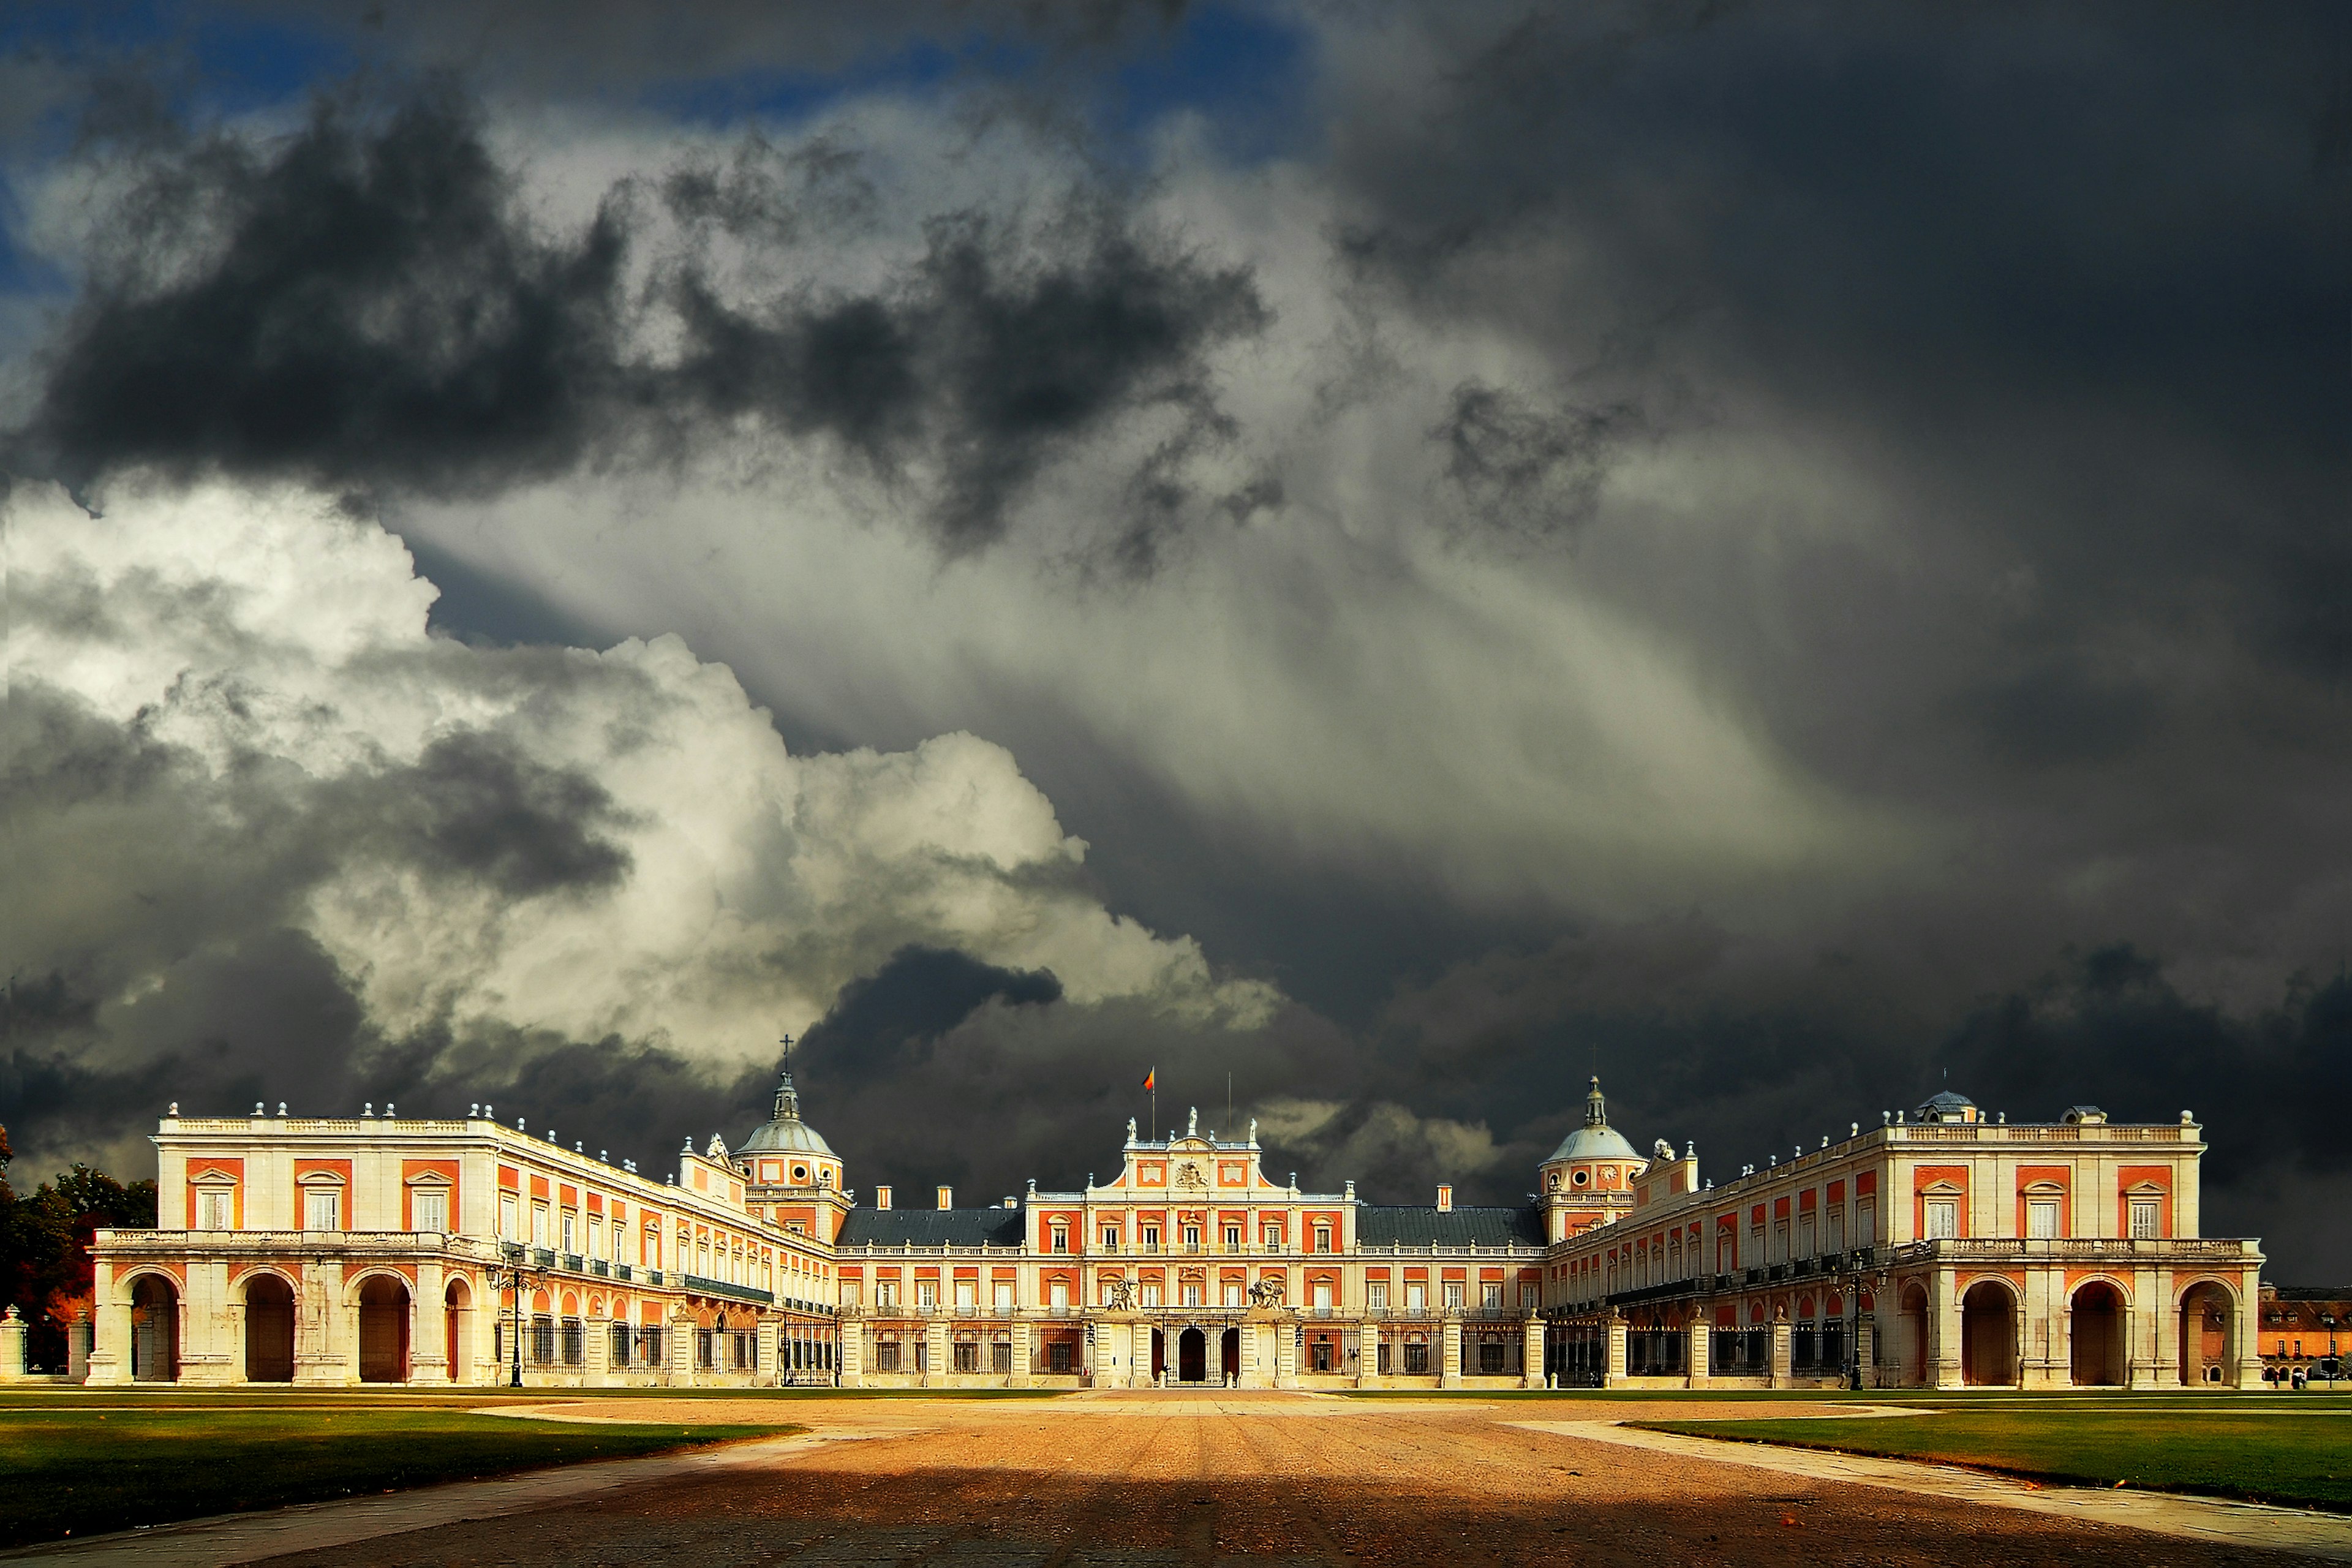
(513, 1277)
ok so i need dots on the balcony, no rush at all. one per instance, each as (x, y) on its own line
(1994, 1249)
(719, 1288)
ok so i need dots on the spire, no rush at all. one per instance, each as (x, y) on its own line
(788, 1099)
(1596, 1110)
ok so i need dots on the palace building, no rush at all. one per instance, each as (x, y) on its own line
(1938, 1248)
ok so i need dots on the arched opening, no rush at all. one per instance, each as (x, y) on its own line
(2097, 1329)
(384, 1329)
(1988, 1336)
(1229, 1355)
(1193, 1356)
(1159, 1355)
(1911, 1346)
(155, 1330)
(2208, 1320)
(456, 1319)
(268, 1330)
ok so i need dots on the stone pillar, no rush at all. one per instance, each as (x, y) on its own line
(1139, 1358)
(849, 1355)
(109, 1354)
(767, 1347)
(428, 1327)
(1449, 1370)
(1944, 1363)
(79, 1334)
(11, 1346)
(322, 1340)
(936, 1366)
(1784, 1351)
(1025, 1365)
(2061, 1371)
(2245, 1349)
(1865, 1350)
(1285, 1352)
(1531, 1355)
(1613, 1375)
(1700, 1349)
(208, 1320)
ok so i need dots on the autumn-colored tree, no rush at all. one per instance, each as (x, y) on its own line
(45, 1266)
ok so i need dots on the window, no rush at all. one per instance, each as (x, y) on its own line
(1234, 1292)
(213, 1208)
(926, 1294)
(2146, 1218)
(885, 1356)
(1061, 1238)
(999, 1356)
(886, 1292)
(1192, 1236)
(428, 1209)
(322, 1208)
(1322, 1239)
(1322, 1295)
(1416, 1297)
(1454, 1295)
(1805, 1248)
(1232, 1238)
(539, 1224)
(967, 1356)
(851, 1290)
(1526, 1297)
(1004, 1295)
(1192, 1292)
(1060, 1298)
(967, 1295)
(1376, 1295)
(570, 1230)
(1151, 1293)
(1416, 1359)
(2041, 1218)
(1271, 1239)
(1150, 1236)
(1865, 1224)
(1490, 1297)
(506, 1206)
(1943, 1218)
(1110, 1238)
(1779, 1242)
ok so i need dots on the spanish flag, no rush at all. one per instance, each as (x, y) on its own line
(1152, 1079)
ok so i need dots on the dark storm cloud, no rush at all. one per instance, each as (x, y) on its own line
(1527, 469)
(882, 1024)
(366, 306)
(473, 804)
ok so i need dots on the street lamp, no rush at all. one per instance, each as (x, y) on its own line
(513, 1277)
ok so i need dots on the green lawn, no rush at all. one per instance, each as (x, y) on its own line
(2244, 1448)
(67, 1471)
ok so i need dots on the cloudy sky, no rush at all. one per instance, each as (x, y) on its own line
(1398, 556)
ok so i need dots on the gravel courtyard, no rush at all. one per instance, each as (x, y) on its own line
(1164, 1478)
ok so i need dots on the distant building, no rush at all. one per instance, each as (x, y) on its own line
(2307, 1329)
(1935, 1249)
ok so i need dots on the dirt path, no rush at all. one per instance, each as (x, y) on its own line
(1096, 1482)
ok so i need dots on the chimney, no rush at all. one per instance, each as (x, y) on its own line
(1444, 1199)
(881, 1197)
(947, 1198)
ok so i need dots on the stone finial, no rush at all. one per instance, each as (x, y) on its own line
(368, 1109)
(172, 1109)
(281, 1110)
(387, 1111)
(1690, 1148)
(256, 1108)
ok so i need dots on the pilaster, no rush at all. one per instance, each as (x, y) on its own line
(322, 1340)
(771, 1370)
(209, 1319)
(428, 1327)
(1699, 1351)
(1944, 1329)
(1449, 1369)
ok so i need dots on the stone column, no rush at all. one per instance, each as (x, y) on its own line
(1449, 1372)
(770, 1353)
(79, 1334)
(1944, 1362)
(1700, 1350)
(321, 1339)
(109, 1353)
(1613, 1375)
(2061, 1372)
(1531, 1355)
(428, 1327)
(1784, 1351)
(1285, 1352)
(1025, 1368)
(1865, 1350)
(595, 1352)
(11, 1346)
(936, 1366)
(2245, 1349)
(1139, 1355)
(849, 1355)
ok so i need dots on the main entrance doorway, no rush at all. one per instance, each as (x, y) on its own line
(1193, 1356)
(1229, 1355)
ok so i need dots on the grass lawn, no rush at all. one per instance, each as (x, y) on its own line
(81, 1471)
(2266, 1455)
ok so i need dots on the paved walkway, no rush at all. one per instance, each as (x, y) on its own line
(2300, 1530)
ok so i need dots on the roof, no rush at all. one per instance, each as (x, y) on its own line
(1948, 1100)
(784, 1133)
(1596, 1139)
(2312, 1293)
(1381, 1224)
(931, 1228)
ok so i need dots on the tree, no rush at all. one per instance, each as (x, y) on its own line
(45, 1266)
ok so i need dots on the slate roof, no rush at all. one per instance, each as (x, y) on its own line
(931, 1228)
(1381, 1225)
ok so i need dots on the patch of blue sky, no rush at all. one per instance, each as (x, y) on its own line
(791, 97)
(202, 61)
(1247, 75)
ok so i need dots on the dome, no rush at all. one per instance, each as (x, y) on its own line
(784, 1133)
(1947, 1107)
(1596, 1139)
